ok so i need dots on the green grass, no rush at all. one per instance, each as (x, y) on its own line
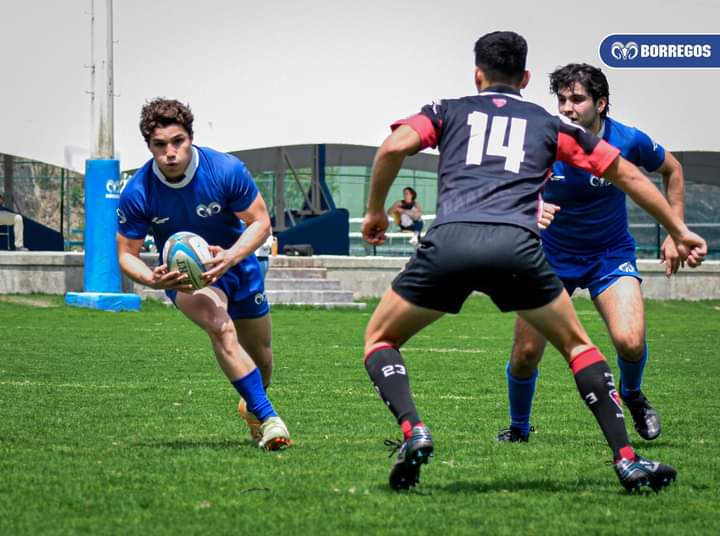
(123, 424)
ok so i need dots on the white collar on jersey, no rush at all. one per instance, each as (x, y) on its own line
(189, 172)
(601, 132)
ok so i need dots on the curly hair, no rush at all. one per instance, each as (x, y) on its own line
(591, 78)
(161, 112)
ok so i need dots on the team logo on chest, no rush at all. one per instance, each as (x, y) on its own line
(599, 182)
(210, 210)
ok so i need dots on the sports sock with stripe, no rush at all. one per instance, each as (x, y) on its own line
(597, 387)
(389, 375)
(251, 389)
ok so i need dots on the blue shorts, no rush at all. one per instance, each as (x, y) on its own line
(594, 272)
(244, 286)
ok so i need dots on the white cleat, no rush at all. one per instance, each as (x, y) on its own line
(275, 435)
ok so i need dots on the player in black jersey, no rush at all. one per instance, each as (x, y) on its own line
(496, 150)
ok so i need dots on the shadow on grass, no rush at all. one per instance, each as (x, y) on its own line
(182, 444)
(546, 486)
(505, 486)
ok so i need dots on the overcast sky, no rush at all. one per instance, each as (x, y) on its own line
(297, 71)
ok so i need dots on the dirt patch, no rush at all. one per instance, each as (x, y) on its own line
(29, 300)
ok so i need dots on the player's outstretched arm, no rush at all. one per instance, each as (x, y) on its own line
(133, 266)
(403, 142)
(674, 184)
(633, 182)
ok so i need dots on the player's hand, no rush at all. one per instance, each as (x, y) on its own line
(162, 279)
(221, 262)
(691, 247)
(547, 215)
(373, 227)
(670, 257)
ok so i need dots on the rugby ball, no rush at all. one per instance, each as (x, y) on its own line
(187, 253)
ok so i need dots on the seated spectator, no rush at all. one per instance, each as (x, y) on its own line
(406, 212)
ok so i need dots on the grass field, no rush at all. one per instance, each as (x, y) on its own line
(123, 424)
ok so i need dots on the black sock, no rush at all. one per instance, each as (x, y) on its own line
(387, 371)
(597, 387)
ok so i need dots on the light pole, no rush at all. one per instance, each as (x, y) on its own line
(102, 283)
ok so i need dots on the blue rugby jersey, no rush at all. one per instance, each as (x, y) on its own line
(215, 186)
(496, 151)
(593, 214)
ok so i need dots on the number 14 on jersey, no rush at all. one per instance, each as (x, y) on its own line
(513, 151)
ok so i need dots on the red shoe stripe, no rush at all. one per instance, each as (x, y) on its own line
(627, 452)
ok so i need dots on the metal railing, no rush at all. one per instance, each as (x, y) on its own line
(399, 242)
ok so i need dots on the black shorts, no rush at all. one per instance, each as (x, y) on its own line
(454, 259)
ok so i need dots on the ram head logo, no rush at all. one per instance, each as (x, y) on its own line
(627, 51)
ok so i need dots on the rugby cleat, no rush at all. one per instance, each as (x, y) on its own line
(513, 435)
(645, 418)
(252, 421)
(414, 452)
(275, 435)
(639, 472)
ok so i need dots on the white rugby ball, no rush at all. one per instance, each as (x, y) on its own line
(188, 253)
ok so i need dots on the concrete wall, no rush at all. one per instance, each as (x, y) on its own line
(47, 272)
(61, 272)
(371, 276)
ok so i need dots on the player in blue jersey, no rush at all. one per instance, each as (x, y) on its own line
(496, 151)
(589, 246)
(189, 188)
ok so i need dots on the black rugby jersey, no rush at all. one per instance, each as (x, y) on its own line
(496, 152)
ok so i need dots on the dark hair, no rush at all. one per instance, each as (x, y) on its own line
(161, 112)
(591, 78)
(412, 192)
(501, 56)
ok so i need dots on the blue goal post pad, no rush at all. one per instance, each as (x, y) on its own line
(105, 301)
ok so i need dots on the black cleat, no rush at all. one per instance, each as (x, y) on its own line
(513, 435)
(645, 418)
(413, 453)
(634, 474)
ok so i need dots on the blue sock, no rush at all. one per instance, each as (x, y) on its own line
(251, 389)
(631, 373)
(520, 395)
